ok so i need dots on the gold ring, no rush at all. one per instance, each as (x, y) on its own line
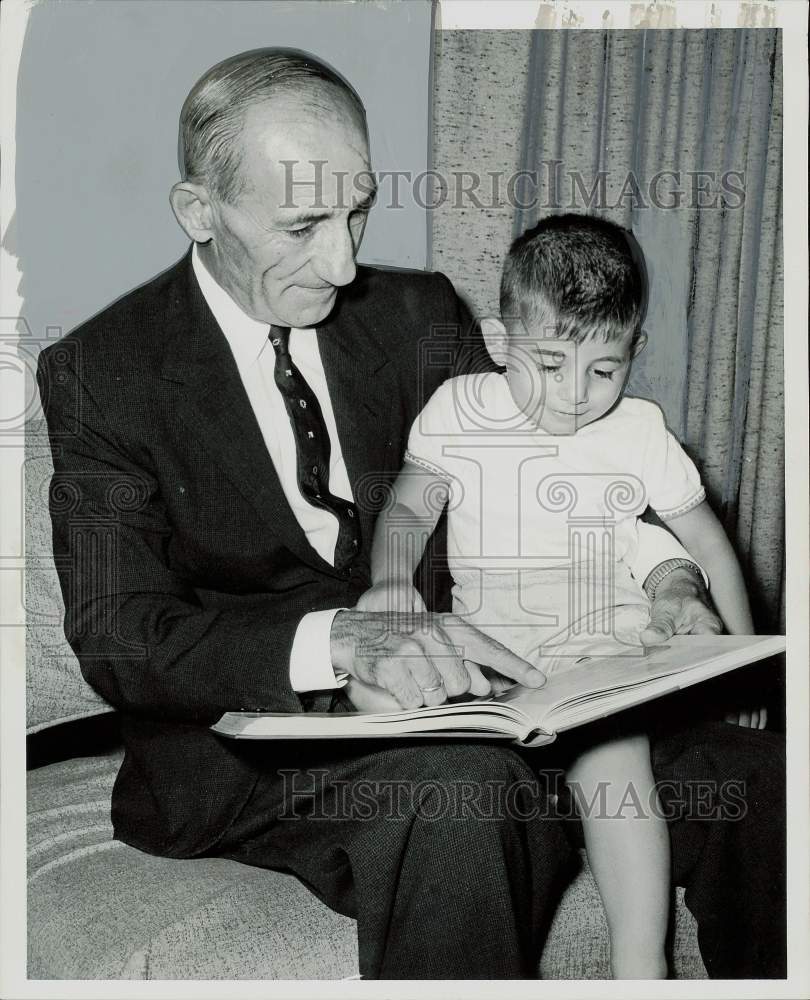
(435, 687)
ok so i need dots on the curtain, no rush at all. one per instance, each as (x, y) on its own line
(678, 136)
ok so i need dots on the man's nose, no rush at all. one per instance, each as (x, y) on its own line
(335, 257)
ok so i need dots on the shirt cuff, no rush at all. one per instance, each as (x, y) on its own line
(310, 658)
(656, 545)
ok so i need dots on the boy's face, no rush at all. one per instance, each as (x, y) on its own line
(563, 386)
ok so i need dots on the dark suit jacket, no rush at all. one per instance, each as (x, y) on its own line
(183, 569)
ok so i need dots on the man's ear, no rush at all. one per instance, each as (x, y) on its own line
(191, 204)
(640, 344)
(495, 338)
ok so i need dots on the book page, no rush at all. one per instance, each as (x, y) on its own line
(610, 683)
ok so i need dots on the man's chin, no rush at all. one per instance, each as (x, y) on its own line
(314, 311)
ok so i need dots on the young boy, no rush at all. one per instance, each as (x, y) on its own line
(544, 470)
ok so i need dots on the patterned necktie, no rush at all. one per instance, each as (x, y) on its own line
(313, 447)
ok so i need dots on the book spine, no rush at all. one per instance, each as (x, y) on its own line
(536, 738)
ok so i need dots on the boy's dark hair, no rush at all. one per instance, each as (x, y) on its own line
(579, 275)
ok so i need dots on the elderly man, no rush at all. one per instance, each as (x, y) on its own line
(220, 436)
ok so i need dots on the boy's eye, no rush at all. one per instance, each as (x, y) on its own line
(549, 368)
(603, 373)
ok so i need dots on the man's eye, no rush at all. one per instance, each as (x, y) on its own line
(299, 234)
(601, 373)
(549, 368)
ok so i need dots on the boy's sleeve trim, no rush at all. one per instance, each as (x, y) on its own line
(427, 466)
(687, 505)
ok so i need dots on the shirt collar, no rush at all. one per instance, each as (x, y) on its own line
(246, 336)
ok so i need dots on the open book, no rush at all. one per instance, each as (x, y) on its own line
(591, 688)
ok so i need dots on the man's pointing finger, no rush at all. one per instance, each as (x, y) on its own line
(483, 649)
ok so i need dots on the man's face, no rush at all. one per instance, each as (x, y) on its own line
(563, 386)
(290, 239)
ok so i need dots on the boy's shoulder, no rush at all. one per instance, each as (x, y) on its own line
(633, 424)
(633, 408)
(486, 383)
(464, 403)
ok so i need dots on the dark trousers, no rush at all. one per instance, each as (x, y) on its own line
(729, 843)
(451, 857)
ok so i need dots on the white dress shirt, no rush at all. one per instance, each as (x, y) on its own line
(310, 661)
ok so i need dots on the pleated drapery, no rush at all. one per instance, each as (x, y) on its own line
(676, 134)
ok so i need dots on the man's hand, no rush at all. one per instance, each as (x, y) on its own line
(420, 659)
(368, 698)
(681, 606)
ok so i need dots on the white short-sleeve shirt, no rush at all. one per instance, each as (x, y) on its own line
(531, 510)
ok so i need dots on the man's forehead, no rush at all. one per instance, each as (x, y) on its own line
(309, 158)
(304, 111)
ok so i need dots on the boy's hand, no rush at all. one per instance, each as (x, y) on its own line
(393, 596)
(681, 606)
(755, 718)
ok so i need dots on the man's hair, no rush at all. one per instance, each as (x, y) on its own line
(578, 275)
(213, 114)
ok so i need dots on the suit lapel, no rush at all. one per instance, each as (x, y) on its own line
(213, 404)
